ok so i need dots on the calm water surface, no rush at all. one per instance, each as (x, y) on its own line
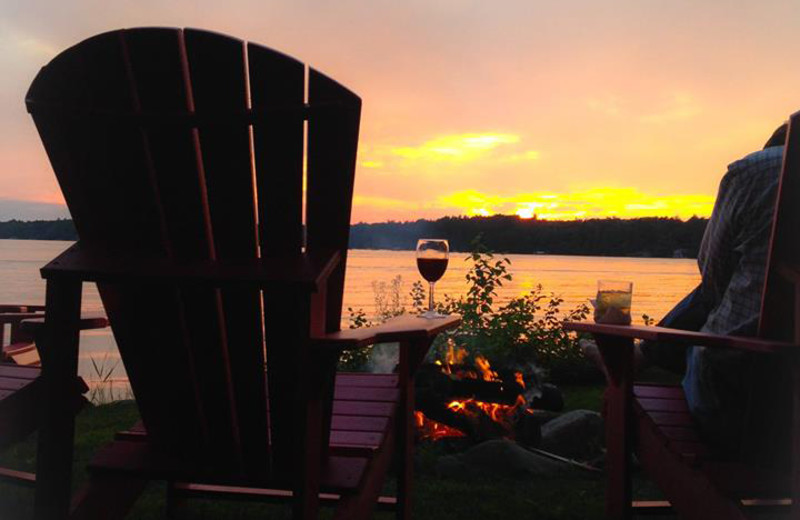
(658, 283)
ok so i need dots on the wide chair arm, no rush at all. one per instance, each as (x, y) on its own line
(400, 329)
(87, 322)
(682, 336)
(31, 322)
(13, 318)
(25, 326)
(308, 270)
(20, 307)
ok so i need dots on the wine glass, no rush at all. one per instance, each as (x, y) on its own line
(432, 255)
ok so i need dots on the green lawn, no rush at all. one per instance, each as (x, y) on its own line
(434, 497)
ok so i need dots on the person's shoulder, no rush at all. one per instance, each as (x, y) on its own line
(756, 163)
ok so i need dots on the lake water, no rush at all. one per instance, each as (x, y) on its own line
(658, 283)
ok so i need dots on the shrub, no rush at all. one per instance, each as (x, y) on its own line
(525, 329)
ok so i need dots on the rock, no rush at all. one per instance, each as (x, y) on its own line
(574, 435)
(528, 430)
(551, 399)
(502, 458)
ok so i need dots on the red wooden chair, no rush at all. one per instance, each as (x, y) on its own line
(24, 323)
(20, 381)
(21, 348)
(654, 419)
(220, 259)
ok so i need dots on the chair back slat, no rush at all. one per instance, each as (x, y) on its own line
(331, 175)
(778, 305)
(219, 375)
(279, 81)
(219, 84)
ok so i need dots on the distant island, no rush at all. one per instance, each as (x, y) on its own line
(639, 237)
(61, 229)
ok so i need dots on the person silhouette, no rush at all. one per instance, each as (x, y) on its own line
(723, 385)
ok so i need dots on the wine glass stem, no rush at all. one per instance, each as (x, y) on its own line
(430, 297)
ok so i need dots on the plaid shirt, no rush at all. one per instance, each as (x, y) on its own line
(732, 261)
(733, 254)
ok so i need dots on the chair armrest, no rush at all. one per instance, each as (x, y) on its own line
(684, 336)
(309, 270)
(88, 322)
(20, 307)
(17, 317)
(401, 328)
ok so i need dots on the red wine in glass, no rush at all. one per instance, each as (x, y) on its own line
(432, 268)
(432, 256)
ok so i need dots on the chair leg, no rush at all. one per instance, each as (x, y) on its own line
(59, 354)
(174, 501)
(405, 435)
(618, 357)
(108, 497)
(796, 438)
(305, 504)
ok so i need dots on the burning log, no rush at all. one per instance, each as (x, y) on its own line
(455, 399)
(478, 408)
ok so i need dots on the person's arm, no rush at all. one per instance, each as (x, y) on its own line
(713, 260)
(689, 314)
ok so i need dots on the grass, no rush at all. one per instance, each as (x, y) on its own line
(435, 497)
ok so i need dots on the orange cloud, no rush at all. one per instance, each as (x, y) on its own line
(448, 153)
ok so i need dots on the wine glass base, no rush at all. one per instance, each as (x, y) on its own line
(432, 315)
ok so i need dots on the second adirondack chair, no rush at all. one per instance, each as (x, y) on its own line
(21, 393)
(212, 195)
(654, 420)
(20, 348)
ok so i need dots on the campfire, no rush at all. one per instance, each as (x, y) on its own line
(457, 398)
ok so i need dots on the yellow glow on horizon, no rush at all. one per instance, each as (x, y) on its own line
(599, 202)
(595, 202)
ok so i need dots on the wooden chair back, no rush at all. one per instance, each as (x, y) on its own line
(780, 306)
(194, 146)
(774, 429)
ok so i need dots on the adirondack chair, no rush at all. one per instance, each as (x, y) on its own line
(20, 404)
(20, 381)
(654, 419)
(20, 348)
(24, 323)
(220, 260)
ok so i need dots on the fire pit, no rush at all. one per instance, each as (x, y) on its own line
(460, 399)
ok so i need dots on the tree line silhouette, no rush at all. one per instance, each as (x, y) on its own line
(656, 236)
(61, 229)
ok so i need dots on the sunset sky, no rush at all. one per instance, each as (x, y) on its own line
(563, 109)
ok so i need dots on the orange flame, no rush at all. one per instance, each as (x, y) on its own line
(455, 355)
(485, 369)
(499, 413)
(432, 430)
(502, 414)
